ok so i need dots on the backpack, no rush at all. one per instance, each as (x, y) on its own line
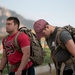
(37, 53)
(66, 57)
(71, 30)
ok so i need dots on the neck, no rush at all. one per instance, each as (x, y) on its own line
(11, 33)
(53, 28)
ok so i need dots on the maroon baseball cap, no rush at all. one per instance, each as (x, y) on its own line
(39, 26)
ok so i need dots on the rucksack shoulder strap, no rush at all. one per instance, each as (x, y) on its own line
(16, 42)
(68, 28)
(5, 37)
(57, 39)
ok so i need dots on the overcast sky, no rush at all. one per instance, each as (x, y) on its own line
(56, 12)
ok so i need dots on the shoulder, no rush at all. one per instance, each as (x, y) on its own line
(65, 36)
(65, 33)
(22, 33)
(22, 36)
(4, 38)
(23, 40)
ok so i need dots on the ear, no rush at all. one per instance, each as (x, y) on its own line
(47, 26)
(16, 26)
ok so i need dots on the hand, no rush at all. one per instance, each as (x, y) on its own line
(18, 72)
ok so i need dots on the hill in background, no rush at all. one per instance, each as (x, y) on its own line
(4, 13)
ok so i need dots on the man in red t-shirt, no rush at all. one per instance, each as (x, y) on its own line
(11, 54)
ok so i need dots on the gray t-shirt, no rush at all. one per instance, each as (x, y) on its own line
(65, 36)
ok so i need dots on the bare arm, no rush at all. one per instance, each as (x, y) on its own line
(71, 47)
(3, 60)
(67, 40)
(25, 58)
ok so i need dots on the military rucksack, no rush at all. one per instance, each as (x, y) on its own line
(37, 53)
(60, 53)
(64, 50)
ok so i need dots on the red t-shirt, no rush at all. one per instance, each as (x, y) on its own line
(14, 56)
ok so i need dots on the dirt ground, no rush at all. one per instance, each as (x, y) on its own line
(44, 70)
(47, 73)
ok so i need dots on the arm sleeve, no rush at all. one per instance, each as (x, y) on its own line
(23, 40)
(65, 36)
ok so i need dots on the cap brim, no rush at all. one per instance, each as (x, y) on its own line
(39, 35)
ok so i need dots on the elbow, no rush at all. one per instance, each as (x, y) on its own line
(27, 55)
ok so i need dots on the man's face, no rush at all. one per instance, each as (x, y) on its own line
(10, 26)
(46, 32)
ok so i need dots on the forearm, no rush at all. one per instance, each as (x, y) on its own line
(3, 63)
(24, 61)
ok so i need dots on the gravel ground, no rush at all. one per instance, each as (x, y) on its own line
(45, 70)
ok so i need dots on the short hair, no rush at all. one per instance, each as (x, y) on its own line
(15, 19)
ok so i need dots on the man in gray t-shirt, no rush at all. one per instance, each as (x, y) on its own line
(44, 29)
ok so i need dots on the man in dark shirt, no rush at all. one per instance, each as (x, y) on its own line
(44, 29)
